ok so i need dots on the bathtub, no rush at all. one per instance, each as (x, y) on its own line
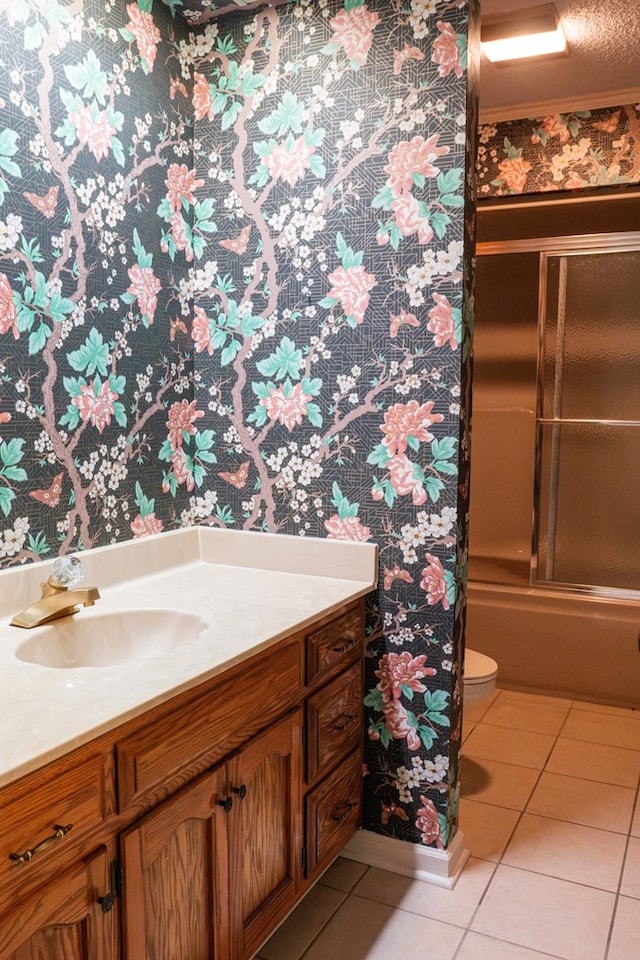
(557, 642)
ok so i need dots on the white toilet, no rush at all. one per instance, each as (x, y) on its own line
(479, 676)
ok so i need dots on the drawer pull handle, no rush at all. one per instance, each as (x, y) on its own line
(348, 645)
(347, 721)
(339, 817)
(226, 804)
(241, 791)
(60, 832)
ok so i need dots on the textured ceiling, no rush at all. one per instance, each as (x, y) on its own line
(604, 56)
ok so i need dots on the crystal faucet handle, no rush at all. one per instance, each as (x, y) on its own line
(67, 572)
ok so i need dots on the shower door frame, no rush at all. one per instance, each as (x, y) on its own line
(546, 247)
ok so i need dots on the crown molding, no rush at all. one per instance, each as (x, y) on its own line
(593, 101)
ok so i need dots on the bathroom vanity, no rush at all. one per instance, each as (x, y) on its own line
(189, 823)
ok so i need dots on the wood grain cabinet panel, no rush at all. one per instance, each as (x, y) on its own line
(65, 921)
(335, 645)
(333, 813)
(174, 863)
(334, 724)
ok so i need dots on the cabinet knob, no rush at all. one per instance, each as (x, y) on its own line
(107, 901)
(346, 721)
(241, 791)
(347, 645)
(226, 804)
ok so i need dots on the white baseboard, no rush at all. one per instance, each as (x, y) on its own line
(442, 867)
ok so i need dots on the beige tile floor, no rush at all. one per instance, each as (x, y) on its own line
(551, 816)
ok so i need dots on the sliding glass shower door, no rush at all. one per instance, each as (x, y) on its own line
(588, 424)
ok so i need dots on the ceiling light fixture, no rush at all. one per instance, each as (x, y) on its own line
(516, 34)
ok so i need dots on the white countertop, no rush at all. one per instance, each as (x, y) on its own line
(249, 589)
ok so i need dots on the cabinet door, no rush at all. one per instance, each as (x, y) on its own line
(265, 844)
(64, 921)
(174, 862)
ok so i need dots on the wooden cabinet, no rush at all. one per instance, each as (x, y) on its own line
(219, 808)
(65, 920)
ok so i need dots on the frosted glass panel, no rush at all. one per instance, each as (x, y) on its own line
(589, 512)
(592, 339)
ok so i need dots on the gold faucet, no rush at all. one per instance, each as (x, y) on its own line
(57, 600)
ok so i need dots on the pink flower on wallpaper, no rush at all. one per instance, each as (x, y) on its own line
(202, 101)
(398, 670)
(289, 160)
(182, 418)
(396, 719)
(410, 219)
(554, 126)
(180, 236)
(351, 288)
(405, 420)
(446, 52)
(201, 331)
(346, 528)
(434, 583)
(96, 407)
(146, 526)
(442, 323)
(141, 24)
(8, 315)
(403, 479)
(289, 410)
(181, 470)
(94, 132)
(145, 287)
(428, 823)
(353, 31)
(514, 172)
(181, 183)
(402, 319)
(413, 156)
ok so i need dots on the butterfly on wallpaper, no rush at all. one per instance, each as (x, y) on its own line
(50, 497)
(609, 125)
(174, 325)
(47, 204)
(392, 810)
(407, 53)
(400, 319)
(240, 243)
(239, 478)
(395, 573)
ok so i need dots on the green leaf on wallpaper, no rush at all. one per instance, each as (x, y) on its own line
(440, 221)
(327, 303)
(120, 414)
(145, 504)
(118, 151)
(250, 324)
(230, 116)
(31, 250)
(344, 507)
(38, 544)
(226, 45)
(54, 12)
(258, 416)
(450, 181)
(444, 448)
(434, 488)
(284, 362)
(230, 352)
(60, 307)
(288, 115)
(379, 456)
(312, 387)
(262, 390)
(146, 5)
(251, 83)
(72, 385)
(374, 699)
(316, 165)
(34, 36)
(225, 515)
(428, 736)
(7, 497)
(454, 200)
(450, 581)
(330, 48)
(383, 199)
(9, 148)
(11, 453)
(117, 383)
(435, 704)
(144, 259)
(38, 339)
(89, 77)
(314, 415)
(353, 4)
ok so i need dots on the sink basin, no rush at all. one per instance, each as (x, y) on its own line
(108, 639)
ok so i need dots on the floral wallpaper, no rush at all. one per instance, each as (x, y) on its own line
(330, 333)
(566, 151)
(235, 289)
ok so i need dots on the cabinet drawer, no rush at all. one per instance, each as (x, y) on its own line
(334, 725)
(334, 646)
(333, 812)
(45, 815)
(154, 761)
